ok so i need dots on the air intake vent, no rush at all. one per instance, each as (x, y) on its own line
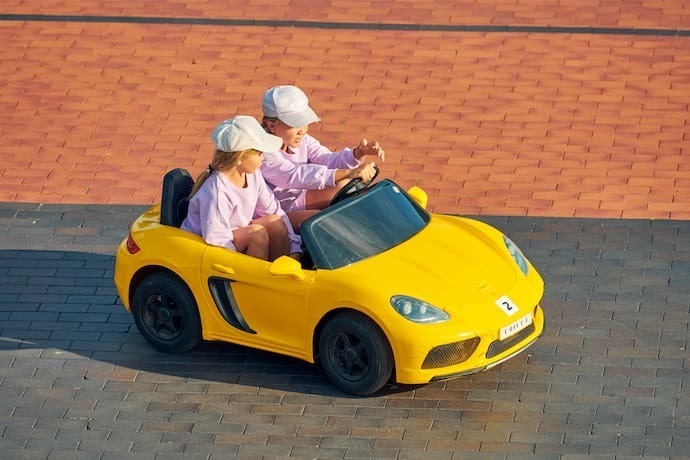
(450, 354)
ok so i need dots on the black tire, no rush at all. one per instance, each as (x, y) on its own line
(355, 354)
(166, 313)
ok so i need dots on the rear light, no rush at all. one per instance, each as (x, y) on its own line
(132, 247)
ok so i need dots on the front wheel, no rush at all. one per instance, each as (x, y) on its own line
(166, 313)
(355, 354)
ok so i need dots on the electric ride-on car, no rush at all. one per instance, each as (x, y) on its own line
(385, 292)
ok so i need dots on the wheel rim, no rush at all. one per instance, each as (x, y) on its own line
(162, 317)
(350, 356)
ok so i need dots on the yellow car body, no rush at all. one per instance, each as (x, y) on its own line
(459, 266)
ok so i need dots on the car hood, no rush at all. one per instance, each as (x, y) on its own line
(453, 263)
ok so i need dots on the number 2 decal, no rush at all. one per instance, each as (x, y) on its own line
(507, 305)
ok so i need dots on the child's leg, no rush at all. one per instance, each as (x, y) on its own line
(253, 240)
(302, 208)
(278, 241)
(297, 217)
(319, 199)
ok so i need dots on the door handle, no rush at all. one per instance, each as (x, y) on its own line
(223, 269)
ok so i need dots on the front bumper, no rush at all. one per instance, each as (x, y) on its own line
(489, 352)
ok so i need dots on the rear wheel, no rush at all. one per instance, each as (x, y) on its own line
(355, 354)
(166, 313)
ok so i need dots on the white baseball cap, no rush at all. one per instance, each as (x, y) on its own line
(290, 105)
(243, 133)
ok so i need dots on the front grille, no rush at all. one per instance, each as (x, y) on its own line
(497, 346)
(452, 353)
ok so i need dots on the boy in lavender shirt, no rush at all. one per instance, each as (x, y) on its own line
(231, 205)
(304, 174)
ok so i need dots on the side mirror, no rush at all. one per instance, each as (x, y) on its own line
(419, 196)
(286, 266)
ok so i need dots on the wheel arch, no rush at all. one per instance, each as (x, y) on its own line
(144, 272)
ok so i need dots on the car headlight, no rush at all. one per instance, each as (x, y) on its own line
(518, 256)
(417, 311)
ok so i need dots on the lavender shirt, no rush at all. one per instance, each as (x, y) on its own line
(310, 166)
(219, 206)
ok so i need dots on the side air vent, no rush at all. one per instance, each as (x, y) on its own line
(226, 304)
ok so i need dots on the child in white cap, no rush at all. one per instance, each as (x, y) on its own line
(231, 205)
(304, 174)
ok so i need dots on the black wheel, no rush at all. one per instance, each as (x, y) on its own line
(166, 313)
(355, 354)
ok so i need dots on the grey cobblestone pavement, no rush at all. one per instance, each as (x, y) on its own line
(610, 378)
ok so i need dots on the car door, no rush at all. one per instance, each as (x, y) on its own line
(254, 307)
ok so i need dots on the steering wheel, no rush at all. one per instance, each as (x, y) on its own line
(354, 187)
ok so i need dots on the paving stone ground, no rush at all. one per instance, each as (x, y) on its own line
(609, 379)
(564, 124)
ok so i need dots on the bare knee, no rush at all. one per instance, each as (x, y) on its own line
(273, 224)
(277, 227)
(257, 242)
(257, 235)
(277, 233)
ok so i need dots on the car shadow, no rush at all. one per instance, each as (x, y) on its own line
(64, 305)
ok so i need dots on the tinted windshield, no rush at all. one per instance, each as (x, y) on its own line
(364, 226)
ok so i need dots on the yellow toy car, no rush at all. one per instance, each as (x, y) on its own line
(386, 292)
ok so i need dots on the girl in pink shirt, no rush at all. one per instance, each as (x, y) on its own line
(304, 174)
(231, 205)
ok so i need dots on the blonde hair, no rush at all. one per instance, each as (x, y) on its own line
(221, 160)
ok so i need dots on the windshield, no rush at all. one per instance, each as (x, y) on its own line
(363, 226)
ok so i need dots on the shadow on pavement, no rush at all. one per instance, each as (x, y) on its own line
(64, 306)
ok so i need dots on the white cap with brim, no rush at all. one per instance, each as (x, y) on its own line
(243, 133)
(290, 105)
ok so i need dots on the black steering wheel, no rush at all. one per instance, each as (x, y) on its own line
(354, 187)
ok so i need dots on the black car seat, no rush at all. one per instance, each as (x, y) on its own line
(177, 185)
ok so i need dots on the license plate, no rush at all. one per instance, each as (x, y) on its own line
(515, 327)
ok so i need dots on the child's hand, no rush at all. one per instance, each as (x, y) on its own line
(366, 171)
(365, 148)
